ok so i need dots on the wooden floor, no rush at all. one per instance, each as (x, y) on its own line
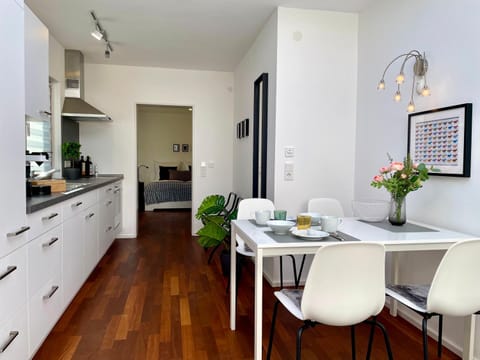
(155, 297)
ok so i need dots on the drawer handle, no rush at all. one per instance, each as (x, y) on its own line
(49, 217)
(51, 242)
(52, 291)
(11, 337)
(89, 216)
(116, 191)
(109, 189)
(109, 228)
(10, 269)
(18, 232)
(77, 204)
(45, 113)
(109, 202)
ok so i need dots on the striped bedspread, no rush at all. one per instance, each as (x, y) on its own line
(168, 190)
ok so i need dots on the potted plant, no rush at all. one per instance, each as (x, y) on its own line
(71, 155)
(216, 230)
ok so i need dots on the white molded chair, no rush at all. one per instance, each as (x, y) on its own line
(326, 206)
(454, 290)
(246, 211)
(344, 287)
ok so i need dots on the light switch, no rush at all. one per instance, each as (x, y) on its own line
(211, 164)
(289, 151)
(203, 169)
(288, 171)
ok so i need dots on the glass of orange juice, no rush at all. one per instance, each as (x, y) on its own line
(304, 222)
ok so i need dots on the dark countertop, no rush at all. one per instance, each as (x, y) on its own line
(36, 203)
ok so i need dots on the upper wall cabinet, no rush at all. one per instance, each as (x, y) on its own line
(37, 97)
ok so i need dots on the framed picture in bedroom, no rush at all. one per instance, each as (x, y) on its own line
(185, 148)
(176, 147)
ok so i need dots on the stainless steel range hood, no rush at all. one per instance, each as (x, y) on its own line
(74, 107)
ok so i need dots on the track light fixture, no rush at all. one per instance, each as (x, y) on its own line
(100, 34)
(419, 81)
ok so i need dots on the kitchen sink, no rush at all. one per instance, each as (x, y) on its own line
(72, 187)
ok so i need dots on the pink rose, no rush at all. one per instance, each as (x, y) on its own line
(396, 166)
(384, 169)
(378, 178)
(415, 165)
(403, 176)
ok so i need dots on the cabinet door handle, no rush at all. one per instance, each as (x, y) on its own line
(116, 191)
(109, 189)
(45, 113)
(109, 202)
(109, 228)
(11, 337)
(49, 217)
(10, 269)
(52, 291)
(89, 216)
(50, 243)
(18, 232)
(77, 204)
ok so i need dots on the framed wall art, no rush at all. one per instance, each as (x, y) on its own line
(442, 138)
(176, 148)
(185, 147)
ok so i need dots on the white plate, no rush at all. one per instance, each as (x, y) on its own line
(318, 234)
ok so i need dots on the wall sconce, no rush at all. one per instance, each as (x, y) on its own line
(419, 81)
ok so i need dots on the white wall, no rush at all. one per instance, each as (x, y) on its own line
(260, 58)
(117, 89)
(316, 107)
(447, 32)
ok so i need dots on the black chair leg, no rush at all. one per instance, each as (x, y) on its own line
(294, 265)
(374, 323)
(352, 338)
(440, 331)
(281, 272)
(297, 281)
(425, 338)
(299, 340)
(272, 329)
(370, 340)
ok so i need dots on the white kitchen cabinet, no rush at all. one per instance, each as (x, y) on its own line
(91, 223)
(13, 282)
(12, 123)
(106, 232)
(117, 205)
(37, 93)
(14, 336)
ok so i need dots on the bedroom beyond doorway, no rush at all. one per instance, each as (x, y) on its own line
(164, 157)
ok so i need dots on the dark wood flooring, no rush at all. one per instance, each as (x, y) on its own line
(155, 297)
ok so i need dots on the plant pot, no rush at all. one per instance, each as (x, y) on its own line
(225, 263)
(71, 173)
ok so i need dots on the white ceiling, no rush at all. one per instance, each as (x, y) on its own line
(184, 34)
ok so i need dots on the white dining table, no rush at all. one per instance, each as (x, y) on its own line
(260, 241)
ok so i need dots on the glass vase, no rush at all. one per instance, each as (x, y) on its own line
(397, 215)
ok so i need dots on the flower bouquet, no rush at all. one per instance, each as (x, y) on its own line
(400, 178)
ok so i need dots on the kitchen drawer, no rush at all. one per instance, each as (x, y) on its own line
(13, 239)
(76, 205)
(13, 282)
(106, 192)
(43, 220)
(45, 307)
(44, 259)
(13, 336)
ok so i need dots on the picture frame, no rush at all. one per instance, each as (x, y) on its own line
(247, 123)
(442, 139)
(176, 148)
(185, 148)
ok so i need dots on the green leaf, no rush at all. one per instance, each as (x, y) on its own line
(212, 204)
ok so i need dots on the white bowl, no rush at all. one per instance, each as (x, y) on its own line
(280, 226)
(314, 215)
(371, 210)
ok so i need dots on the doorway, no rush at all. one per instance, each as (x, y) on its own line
(164, 157)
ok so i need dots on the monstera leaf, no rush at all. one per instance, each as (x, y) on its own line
(212, 204)
(213, 232)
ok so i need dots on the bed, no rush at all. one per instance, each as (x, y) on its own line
(173, 190)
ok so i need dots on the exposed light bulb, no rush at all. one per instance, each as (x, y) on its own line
(411, 106)
(426, 91)
(397, 97)
(381, 85)
(400, 78)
